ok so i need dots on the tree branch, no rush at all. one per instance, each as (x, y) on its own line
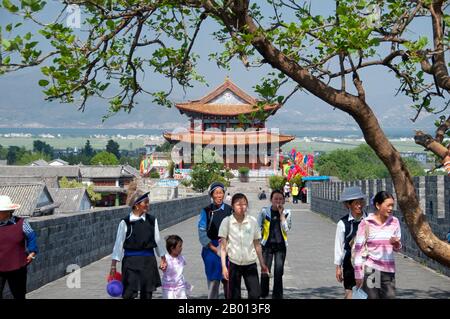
(439, 68)
(342, 100)
(386, 61)
(341, 64)
(194, 36)
(430, 144)
(357, 81)
(442, 129)
(17, 66)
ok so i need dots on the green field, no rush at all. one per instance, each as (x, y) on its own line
(309, 147)
(63, 143)
(131, 144)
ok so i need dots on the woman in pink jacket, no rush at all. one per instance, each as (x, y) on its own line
(377, 239)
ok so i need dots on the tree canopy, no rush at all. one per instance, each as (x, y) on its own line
(359, 163)
(93, 196)
(113, 147)
(42, 147)
(104, 158)
(325, 55)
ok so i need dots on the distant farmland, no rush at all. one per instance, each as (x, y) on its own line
(326, 145)
(300, 144)
(64, 142)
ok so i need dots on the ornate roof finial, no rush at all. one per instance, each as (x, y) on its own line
(227, 78)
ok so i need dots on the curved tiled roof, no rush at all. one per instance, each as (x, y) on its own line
(40, 171)
(227, 85)
(243, 103)
(228, 138)
(33, 198)
(68, 198)
(223, 109)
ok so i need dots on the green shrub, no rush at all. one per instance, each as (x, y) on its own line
(277, 182)
(186, 182)
(244, 170)
(296, 180)
(204, 174)
(154, 174)
(229, 175)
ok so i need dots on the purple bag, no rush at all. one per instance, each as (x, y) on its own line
(114, 288)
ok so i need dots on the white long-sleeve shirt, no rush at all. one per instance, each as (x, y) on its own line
(118, 250)
(339, 241)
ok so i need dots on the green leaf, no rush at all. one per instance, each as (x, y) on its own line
(110, 24)
(422, 42)
(6, 60)
(361, 4)
(6, 44)
(43, 82)
(9, 6)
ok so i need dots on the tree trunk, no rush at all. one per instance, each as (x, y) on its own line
(407, 199)
(355, 106)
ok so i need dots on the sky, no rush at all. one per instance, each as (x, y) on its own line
(380, 85)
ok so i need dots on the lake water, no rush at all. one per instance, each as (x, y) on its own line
(89, 132)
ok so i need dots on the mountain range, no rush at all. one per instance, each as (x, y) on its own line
(22, 104)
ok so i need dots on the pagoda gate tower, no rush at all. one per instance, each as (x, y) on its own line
(215, 123)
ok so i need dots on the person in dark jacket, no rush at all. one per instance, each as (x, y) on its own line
(18, 249)
(137, 242)
(208, 231)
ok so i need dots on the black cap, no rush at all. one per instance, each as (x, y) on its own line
(214, 186)
(137, 197)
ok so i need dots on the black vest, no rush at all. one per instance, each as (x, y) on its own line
(275, 234)
(140, 233)
(214, 217)
(351, 227)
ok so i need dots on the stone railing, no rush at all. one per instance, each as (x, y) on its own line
(434, 196)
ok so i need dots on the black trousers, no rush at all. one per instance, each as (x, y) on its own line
(250, 274)
(140, 274)
(17, 282)
(278, 254)
(348, 273)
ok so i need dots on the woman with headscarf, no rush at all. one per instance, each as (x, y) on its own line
(208, 229)
(17, 249)
(137, 241)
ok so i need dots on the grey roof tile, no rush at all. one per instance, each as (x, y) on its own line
(32, 197)
(68, 198)
(40, 171)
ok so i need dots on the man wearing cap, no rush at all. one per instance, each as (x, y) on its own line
(137, 241)
(208, 231)
(17, 249)
(354, 201)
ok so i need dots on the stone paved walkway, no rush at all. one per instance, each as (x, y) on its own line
(309, 271)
